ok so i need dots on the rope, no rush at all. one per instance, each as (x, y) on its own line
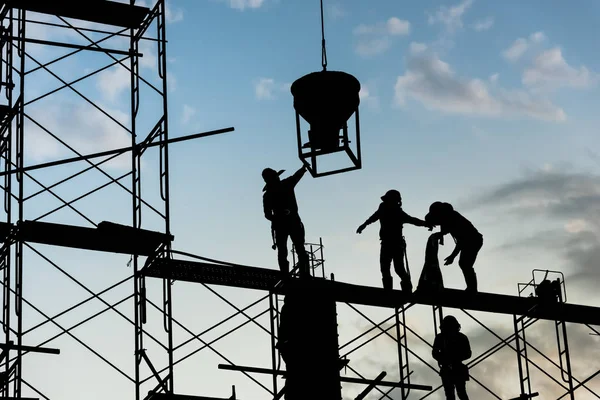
(406, 258)
(323, 49)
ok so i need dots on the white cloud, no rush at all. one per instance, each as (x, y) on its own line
(80, 125)
(267, 88)
(576, 225)
(433, 83)
(521, 45)
(451, 17)
(550, 71)
(244, 4)
(494, 78)
(172, 15)
(171, 82)
(187, 114)
(113, 82)
(416, 47)
(484, 24)
(336, 11)
(367, 97)
(397, 26)
(372, 47)
(376, 39)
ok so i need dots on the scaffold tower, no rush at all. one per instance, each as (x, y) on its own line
(45, 223)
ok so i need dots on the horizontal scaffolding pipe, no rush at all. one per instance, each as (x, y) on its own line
(342, 378)
(90, 47)
(10, 346)
(116, 151)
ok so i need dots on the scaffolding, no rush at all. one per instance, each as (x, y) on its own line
(148, 241)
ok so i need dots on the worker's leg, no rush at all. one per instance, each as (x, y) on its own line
(281, 239)
(297, 235)
(461, 390)
(468, 255)
(398, 257)
(448, 384)
(385, 262)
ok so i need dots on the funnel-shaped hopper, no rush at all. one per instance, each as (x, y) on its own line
(326, 100)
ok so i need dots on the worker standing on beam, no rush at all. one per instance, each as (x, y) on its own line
(391, 216)
(280, 207)
(450, 349)
(468, 239)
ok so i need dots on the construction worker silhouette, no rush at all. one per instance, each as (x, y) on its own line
(468, 239)
(393, 246)
(450, 349)
(280, 207)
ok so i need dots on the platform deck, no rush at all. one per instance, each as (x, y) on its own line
(265, 279)
(99, 11)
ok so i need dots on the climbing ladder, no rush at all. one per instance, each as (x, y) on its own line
(404, 368)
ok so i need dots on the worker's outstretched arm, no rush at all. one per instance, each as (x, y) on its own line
(369, 221)
(409, 219)
(298, 175)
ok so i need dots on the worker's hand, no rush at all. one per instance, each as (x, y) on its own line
(449, 260)
(360, 229)
(430, 226)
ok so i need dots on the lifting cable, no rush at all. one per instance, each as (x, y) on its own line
(323, 49)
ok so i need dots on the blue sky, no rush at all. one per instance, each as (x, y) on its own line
(490, 106)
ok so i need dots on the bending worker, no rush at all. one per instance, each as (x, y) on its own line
(468, 239)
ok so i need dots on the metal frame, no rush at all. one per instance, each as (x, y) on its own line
(14, 79)
(310, 158)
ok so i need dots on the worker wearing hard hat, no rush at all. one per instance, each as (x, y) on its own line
(468, 239)
(393, 246)
(280, 207)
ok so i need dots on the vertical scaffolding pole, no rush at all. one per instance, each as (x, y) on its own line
(136, 205)
(20, 118)
(164, 177)
(5, 154)
(520, 324)
(401, 341)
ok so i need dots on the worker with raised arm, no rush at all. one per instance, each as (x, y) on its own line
(392, 217)
(450, 349)
(280, 207)
(468, 239)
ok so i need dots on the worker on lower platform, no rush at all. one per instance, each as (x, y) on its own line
(391, 216)
(467, 238)
(280, 207)
(450, 349)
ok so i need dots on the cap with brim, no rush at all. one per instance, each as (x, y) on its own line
(281, 171)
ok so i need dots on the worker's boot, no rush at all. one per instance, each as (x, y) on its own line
(406, 285)
(387, 282)
(471, 281)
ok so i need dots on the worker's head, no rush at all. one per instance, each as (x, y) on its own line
(438, 211)
(271, 176)
(392, 196)
(450, 324)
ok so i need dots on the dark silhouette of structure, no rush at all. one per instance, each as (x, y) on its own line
(153, 260)
(280, 207)
(450, 348)
(393, 246)
(431, 275)
(467, 238)
(327, 100)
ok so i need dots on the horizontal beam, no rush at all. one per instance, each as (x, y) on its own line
(342, 378)
(265, 279)
(115, 151)
(99, 11)
(10, 346)
(90, 47)
(170, 396)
